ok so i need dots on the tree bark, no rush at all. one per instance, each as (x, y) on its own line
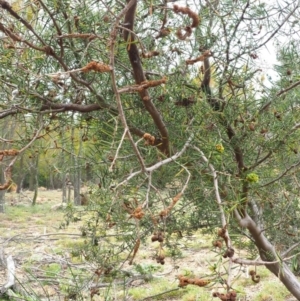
(2, 192)
(268, 253)
(20, 176)
(36, 180)
(76, 170)
(2, 201)
(64, 174)
(64, 187)
(138, 73)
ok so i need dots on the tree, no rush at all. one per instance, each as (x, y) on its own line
(180, 112)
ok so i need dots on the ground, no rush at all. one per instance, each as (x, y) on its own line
(42, 252)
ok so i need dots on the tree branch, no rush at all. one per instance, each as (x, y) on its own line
(159, 164)
(113, 36)
(268, 253)
(282, 175)
(139, 77)
(288, 88)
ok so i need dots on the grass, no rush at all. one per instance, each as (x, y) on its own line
(272, 291)
(52, 269)
(23, 213)
(44, 259)
(160, 287)
(196, 294)
(243, 282)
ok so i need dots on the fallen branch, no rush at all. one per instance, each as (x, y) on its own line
(11, 268)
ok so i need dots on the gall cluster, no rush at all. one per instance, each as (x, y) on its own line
(157, 236)
(230, 296)
(160, 259)
(184, 281)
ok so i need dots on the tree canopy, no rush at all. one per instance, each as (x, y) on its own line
(173, 109)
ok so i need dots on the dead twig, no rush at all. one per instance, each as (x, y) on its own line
(11, 268)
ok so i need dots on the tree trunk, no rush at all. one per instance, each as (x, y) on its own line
(32, 171)
(88, 171)
(268, 253)
(51, 181)
(2, 192)
(77, 178)
(64, 174)
(77, 188)
(64, 187)
(36, 180)
(20, 177)
(77, 169)
(2, 201)
(69, 194)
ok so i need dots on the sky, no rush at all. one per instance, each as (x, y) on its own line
(267, 55)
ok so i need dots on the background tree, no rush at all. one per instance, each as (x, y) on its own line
(185, 133)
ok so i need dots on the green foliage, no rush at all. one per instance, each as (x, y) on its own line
(199, 162)
(52, 270)
(158, 287)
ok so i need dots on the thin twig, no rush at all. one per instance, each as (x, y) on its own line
(282, 175)
(113, 36)
(145, 204)
(158, 164)
(77, 36)
(288, 88)
(222, 213)
(173, 158)
(216, 186)
(279, 27)
(290, 249)
(118, 149)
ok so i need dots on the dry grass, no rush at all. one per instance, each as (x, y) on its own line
(43, 253)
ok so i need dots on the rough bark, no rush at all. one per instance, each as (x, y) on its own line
(2, 192)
